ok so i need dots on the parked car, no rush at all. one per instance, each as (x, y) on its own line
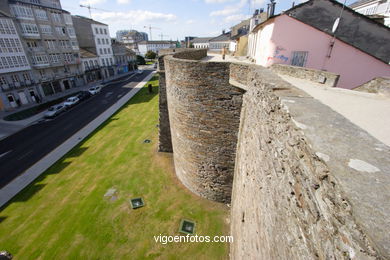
(70, 102)
(139, 71)
(83, 95)
(95, 89)
(55, 110)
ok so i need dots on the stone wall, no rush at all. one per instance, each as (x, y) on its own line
(378, 85)
(329, 79)
(308, 184)
(165, 143)
(287, 203)
(204, 112)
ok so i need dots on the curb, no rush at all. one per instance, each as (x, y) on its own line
(27, 177)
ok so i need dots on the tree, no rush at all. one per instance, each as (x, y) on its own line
(151, 55)
(140, 60)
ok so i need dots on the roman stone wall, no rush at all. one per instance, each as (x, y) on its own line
(327, 78)
(204, 112)
(165, 142)
(308, 184)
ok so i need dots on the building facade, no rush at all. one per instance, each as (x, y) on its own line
(124, 58)
(220, 42)
(374, 8)
(90, 66)
(17, 84)
(94, 37)
(283, 40)
(154, 46)
(48, 37)
(201, 42)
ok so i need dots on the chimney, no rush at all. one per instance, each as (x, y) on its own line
(271, 8)
(223, 31)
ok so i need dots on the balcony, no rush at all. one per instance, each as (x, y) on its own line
(31, 35)
(41, 65)
(36, 49)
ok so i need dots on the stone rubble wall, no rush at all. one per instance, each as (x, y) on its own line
(378, 85)
(204, 113)
(327, 78)
(286, 204)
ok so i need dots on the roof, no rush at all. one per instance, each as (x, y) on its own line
(87, 54)
(225, 37)
(156, 42)
(355, 28)
(88, 19)
(2, 13)
(201, 39)
(360, 2)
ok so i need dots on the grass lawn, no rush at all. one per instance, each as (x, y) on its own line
(64, 215)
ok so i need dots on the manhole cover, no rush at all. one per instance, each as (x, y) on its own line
(137, 203)
(187, 227)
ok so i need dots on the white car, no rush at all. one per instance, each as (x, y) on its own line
(95, 89)
(55, 111)
(139, 71)
(70, 102)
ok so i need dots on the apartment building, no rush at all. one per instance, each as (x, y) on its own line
(49, 38)
(154, 46)
(94, 37)
(124, 57)
(90, 66)
(376, 9)
(17, 86)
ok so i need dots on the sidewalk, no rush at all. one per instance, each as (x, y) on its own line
(8, 128)
(228, 58)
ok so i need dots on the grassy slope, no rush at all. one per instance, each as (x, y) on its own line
(63, 214)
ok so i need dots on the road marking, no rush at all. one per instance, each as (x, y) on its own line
(119, 96)
(24, 155)
(4, 154)
(108, 94)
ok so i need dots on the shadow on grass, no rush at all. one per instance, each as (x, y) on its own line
(2, 218)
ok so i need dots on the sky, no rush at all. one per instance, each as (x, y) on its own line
(172, 19)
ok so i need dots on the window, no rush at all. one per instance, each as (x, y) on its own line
(46, 29)
(22, 12)
(26, 76)
(28, 28)
(105, 31)
(41, 14)
(7, 27)
(3, 81)
(104, 63)
(105, 51)
(101, 51)
(31, 44)
(55, 58)
(91, 63)
(109, 50)
(51, 44)
(107, 41)
(61, 31)
(68, 57)
(96, 31)
(101, 31)
(68, 19)
(71, 32)
(299, 58)
(15, 78)
(56, 17)
(85, 65)
(111, 61)
(39, 59)
(98, 40)
(96, 62)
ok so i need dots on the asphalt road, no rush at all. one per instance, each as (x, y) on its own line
(21, 150)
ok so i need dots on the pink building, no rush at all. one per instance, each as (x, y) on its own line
(286, 40)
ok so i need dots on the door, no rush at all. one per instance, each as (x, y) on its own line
(23, 98)
(32, 95)
(66, 84)
(12, 101)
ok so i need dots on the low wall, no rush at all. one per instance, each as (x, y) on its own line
(324, 77)
(377, 85)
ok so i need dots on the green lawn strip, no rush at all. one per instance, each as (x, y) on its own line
(63, 214)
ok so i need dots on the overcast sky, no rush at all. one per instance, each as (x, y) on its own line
(175, 19)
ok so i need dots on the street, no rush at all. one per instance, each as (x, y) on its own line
(20, 151)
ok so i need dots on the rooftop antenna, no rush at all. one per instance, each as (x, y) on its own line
(334, 29)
